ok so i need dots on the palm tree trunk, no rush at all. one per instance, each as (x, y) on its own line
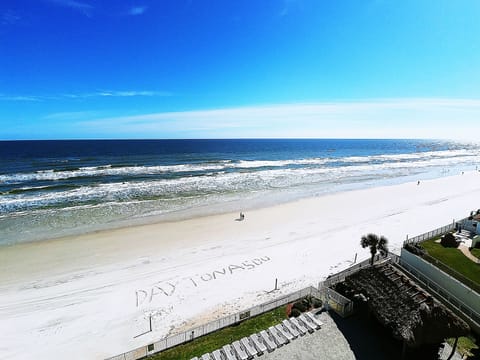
(404, 349)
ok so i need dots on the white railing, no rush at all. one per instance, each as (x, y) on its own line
(215, 325)
(431, 234)
(340, 276)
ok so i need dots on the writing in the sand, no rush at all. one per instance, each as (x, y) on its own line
(168, 288)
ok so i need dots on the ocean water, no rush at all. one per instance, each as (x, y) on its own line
(55, 188)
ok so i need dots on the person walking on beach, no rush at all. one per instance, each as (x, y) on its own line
(242, 216)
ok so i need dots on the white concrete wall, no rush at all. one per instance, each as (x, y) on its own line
(444, 281)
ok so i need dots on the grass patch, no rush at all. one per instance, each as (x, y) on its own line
(476, 252)
(454, 259)
(216, 340)
(465, 345)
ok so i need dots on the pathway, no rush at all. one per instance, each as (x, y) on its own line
(465, 250)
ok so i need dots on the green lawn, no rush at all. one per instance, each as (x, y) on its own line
(465, 345)
(454, 259)
(216, 340)
(476, 253)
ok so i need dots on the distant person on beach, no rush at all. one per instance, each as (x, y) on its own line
(418, 182)
(242, 216)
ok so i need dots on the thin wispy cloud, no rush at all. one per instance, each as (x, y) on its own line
(95, 94)
(72, 115)
(131, 93)
(384, 118)
(121, 93)
(137, 10)
(9, 17)
(82, 7)
(287, 6)
(20, 98)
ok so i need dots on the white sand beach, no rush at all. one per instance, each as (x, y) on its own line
(87, 297)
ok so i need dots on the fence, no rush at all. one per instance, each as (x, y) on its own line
(336, 301)
(445, 268)
(450, 300)
(431, 234)
(394, 258)
(339, 277)
(218, 324)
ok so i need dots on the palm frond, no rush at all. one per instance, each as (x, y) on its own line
(375, 243)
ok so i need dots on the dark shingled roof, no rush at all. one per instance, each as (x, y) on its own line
(403, 306)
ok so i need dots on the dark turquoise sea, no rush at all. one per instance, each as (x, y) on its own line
(55, 188)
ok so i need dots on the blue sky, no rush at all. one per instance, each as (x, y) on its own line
(223, 69)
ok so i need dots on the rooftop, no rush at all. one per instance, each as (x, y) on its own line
(401, 305)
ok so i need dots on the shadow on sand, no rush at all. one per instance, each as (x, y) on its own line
(241, 217)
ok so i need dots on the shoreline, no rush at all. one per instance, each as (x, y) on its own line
(94, 292)
(230, 207)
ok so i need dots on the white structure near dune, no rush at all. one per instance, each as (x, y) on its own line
(472, 224)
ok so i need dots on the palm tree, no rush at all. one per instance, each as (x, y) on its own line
(375, 243)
